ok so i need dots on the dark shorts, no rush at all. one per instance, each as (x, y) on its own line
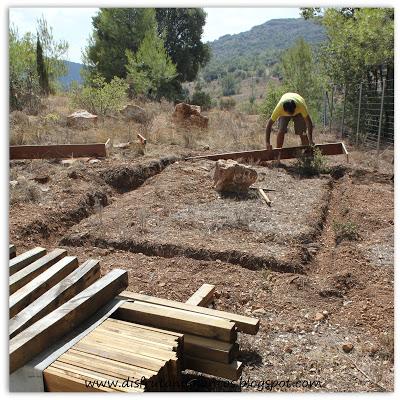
(300, 126)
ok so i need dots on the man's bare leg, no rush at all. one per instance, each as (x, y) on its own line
(304, 140)
(280, 139)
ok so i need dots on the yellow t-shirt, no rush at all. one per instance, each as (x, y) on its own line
(301, 107)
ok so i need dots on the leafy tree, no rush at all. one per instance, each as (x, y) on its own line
(101, 98)
(150, 71)
(183, 28)
(24, 82)
(41, 69)
(53, 53)
(116, 30)
(229, 85)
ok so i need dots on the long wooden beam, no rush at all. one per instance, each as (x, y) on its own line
(74, 283)
(203, 296)
(327, 149)
(244, 324)
(48, 330)
(24, 259)
(13, 251)
(57, 151)
(177, 320)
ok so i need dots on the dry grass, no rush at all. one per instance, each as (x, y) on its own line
(24, 191)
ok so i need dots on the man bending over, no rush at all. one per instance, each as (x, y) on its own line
(290, 106)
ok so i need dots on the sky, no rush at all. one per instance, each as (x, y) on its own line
(74, 24)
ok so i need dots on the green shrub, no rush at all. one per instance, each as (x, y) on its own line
(201, 99)
(345, 231)
(312, 163)
(101, 98)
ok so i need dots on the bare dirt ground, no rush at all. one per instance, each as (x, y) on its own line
(325, 246)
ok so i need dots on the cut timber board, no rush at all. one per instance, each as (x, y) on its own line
(230, 371)
(31, 271)
(244, 324)
(214, 350)
(327, 149)
(203, 296)
(39, 285)
(24, 259)
(30, 152)
(13, 251)
(46, 331)
(180, 320)
(74, 283)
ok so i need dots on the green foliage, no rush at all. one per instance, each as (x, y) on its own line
(101, 98)
(345, 231)
(182, 29)
(24, 81)
(229, 85)
(151, 71)
(53, 53)
(273, 93)
(41, 69)
(116, 30)
(312, 164)
(201, 98)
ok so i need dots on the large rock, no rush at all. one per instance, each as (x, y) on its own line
(230, 176)
(190, 114)
(82, 119)
(134, 113)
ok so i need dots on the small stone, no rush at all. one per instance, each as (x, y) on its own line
(325, 313)
(288, 349)
(319, 316)
(259, 311)
(95, 161)
(162, 284)
(347, 347)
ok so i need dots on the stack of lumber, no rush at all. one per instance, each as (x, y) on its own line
(209, 335)
(148, 339)
(114, 351)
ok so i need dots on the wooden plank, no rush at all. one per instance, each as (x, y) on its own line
(90, 375)
(181, 320)
(24, 259)
(121, 356)
(13, 251)
(136, 338)
(244, 324)
(230, 371)
(203, 296)
(31, 271)
(57, 380)
(76, 282)
(37, 337)
(264, 196)
(327, 149)
(39, 285)
(87, 360)
(142, 139)
(124, 344)
(214, 350)
(30, 152)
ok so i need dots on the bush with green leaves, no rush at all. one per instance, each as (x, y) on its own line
(229, 85)
(101, 98)
(312, 162)
(345, 231)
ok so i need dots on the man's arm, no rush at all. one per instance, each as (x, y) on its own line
(268, 129)
(309, 125)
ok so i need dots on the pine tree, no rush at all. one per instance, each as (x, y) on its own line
(41, 69)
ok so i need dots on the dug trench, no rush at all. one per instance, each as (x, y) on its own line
(179, 214)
